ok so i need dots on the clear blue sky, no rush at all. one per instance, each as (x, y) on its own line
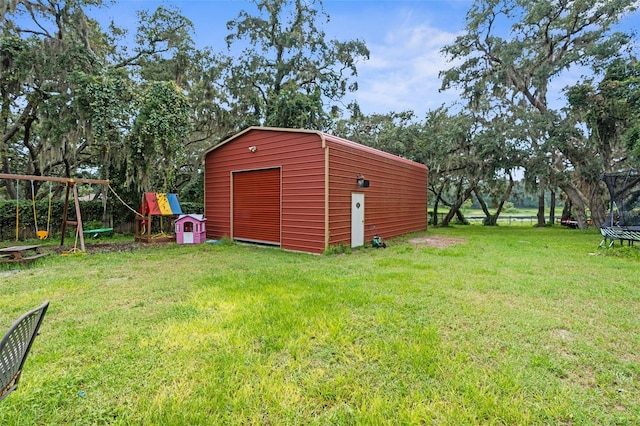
(404, 38)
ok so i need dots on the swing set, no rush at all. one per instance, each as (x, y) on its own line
(71, 186)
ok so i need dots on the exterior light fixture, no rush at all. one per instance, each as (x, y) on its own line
(361, 181)
(253, 148)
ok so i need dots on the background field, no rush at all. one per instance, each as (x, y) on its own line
(509, 325)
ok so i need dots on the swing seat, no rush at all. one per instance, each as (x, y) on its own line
(97, 232)
(43, 235)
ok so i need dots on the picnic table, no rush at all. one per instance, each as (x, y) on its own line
(20, 253)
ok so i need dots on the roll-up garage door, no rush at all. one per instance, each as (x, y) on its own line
(256, 206)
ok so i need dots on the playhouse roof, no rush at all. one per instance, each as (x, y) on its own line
(157, 203)
(198, 217)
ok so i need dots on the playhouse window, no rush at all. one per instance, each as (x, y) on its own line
(188, 227)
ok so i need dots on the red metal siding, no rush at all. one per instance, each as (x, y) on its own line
(395, 201)
(217, 198)
(256, 206)
(299, 156)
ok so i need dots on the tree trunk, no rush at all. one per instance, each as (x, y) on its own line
(578, 205)
(490, 220)
(566, 211)
(460, 216)
(598, 206)
(434, 214)
(4, 143)
(9, 184)
(552, 208)
(505, 196)
(541, 218)
(438, 197)
(455, 208)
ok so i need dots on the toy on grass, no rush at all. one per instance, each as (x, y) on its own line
(377, 240)
(191, 229)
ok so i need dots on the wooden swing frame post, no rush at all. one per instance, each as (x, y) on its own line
(70, 183)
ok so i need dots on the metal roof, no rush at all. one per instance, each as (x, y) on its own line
(323, 136)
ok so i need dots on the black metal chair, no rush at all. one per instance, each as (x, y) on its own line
(15, 346)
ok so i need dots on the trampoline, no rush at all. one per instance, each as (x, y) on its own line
(623, 220)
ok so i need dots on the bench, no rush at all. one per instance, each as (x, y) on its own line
(20, 254)
(22, 259)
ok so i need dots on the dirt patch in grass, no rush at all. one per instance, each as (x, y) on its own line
(437, 241)
(105, 247)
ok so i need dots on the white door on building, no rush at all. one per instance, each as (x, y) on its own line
(357, 219)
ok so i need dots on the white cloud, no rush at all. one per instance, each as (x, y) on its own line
(405, 59)
(402, 73)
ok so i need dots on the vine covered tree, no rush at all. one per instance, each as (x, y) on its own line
(76, 97)
(157, 139)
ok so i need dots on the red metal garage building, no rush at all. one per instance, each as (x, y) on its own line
(305, 190)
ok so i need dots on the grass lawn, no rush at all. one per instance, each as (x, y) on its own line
(511, 325)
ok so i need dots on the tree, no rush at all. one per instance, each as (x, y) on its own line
(105, 104)
(632, 134)
(497, 156)
(463, 154)
(397, 133)
(608, 112)
(211, 119)
(75, 97)
(159, 66)
(447, 151)
(39, 132)
(157, 138)
(545, 38)
(288, 70)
